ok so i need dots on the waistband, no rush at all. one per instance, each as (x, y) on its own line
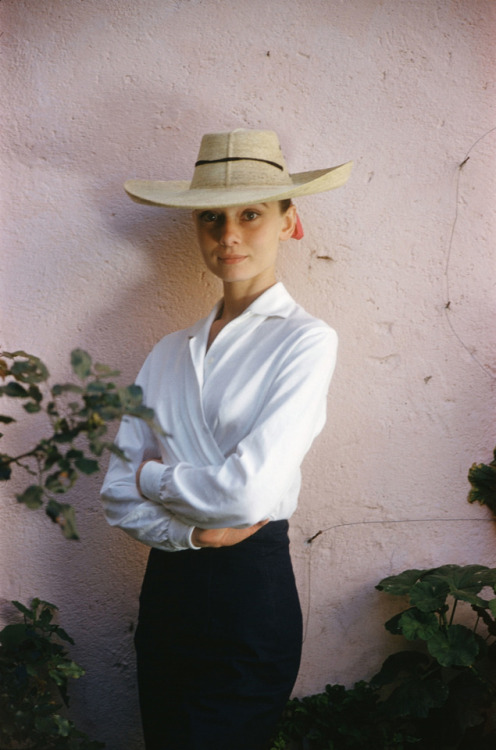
(271, 530)
(273, 534)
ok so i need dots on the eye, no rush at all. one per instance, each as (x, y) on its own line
(250, 215)
(208, 217)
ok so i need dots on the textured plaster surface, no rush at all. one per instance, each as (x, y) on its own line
(97, 91)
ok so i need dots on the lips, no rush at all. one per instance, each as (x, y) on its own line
(230, 260)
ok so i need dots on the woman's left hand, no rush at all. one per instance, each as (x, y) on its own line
(223, 537)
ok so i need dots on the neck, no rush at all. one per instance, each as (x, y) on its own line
(238, 296)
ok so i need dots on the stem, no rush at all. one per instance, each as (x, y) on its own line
(16, 459)
(453, 611)
(436, 668)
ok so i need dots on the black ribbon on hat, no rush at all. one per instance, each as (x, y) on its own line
(238, 158)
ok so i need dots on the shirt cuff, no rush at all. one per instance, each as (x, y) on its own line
(151, 482)
(151, 479)
(180, 534)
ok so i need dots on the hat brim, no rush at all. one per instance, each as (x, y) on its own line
(177, 194)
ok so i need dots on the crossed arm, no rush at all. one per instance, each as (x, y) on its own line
(226, 537)
(170, 505)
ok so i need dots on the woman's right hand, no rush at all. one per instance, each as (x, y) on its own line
(223, 537)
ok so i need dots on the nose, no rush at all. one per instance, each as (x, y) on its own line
(229, 232)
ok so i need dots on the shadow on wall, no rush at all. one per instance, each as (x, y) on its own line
(175, 291)
(95, 583)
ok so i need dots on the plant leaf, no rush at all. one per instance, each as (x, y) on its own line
(464, 581)
(32, 408)
(87, 465)
(60, 481)
(12, 636)
(104, 371)
(486, 618)
(97, 386)
(482, 478)
(32, 370)
(14, 390)
(131, 396)
(454, 647)
(5, 468)
(402, 662)
(64, 515)
(416, 697)
(81, 363)
(417, 624)
(61, 388)
(32, 497)
(429, 595)
(401, 584)
(113, 448)
(393, 624)
(22, 608)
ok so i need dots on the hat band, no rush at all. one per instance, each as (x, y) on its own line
(238, 158)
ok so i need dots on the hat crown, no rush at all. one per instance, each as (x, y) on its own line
(240, 158)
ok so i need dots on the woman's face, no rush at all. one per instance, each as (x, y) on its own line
(239, 243)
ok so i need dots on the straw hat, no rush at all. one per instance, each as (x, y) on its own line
(235, 169)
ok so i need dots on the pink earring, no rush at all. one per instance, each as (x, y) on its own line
(298, 230)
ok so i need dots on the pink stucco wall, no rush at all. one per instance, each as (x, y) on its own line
(96, 91)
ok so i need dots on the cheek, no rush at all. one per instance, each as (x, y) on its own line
(270, 236)
(205, 255)
(203, 238)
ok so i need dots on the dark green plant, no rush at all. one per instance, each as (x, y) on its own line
(34, 673)
(446, 686)
(78, 414)
(340, 719)
(482, 478)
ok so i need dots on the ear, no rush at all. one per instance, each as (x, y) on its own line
(289, 223)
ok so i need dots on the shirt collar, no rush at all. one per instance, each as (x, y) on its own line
(274, 302)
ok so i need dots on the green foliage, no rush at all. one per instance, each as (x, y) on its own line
(78, 414)
(340, 719)
(439, 695)
(446, 688)
(482, 478)
(34, 674)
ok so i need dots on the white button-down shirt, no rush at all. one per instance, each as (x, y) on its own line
(239, 418)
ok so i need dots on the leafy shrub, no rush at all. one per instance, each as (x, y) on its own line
(340, 719)
(446, 687)
(34, 674)
(440, 695)
(482, 478)
(77, 413)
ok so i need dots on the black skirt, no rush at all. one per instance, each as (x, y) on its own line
(218, 643)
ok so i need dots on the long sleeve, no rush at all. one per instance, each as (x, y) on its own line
(237, 421)
(145, 520)
(250, 484)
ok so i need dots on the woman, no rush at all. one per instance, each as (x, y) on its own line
(241, 395)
